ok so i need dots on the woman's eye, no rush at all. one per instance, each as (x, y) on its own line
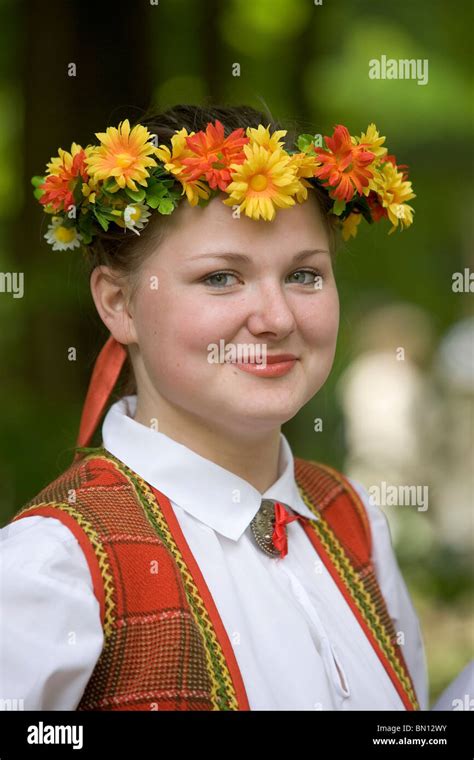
(218, 279)
(311, 280)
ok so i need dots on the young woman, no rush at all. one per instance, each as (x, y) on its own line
(191, 561)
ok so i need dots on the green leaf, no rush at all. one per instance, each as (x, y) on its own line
(203, 202)
(136, 195)
(339, 207)
(153, 202)
(166, 206)
(37, 180)
(156, 194)
(38, 193)
(363, 206)
(157, 191)
(159, 171)
(110, 214)
(304, 142)
(101, 218)
(110, 186)
(84, 224)
(77, 194)
(177, 194)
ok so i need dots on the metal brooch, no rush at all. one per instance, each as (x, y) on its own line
(262, 527)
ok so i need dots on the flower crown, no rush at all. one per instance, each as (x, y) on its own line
(125, 177)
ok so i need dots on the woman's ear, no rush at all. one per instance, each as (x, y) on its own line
(110, 293)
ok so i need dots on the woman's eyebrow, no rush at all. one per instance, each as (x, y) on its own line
(243, 258)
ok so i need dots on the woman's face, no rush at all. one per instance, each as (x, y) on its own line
(193, 295)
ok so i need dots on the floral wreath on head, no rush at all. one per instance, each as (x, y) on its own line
(126, 177)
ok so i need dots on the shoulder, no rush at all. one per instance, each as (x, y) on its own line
(38, 544)
(96, 467)
(340, 502)
(47, 604)
(52, 534)
(61, 497)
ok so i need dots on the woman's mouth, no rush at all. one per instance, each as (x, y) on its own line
(274, 366)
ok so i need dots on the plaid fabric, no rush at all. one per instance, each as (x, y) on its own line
(165, 647)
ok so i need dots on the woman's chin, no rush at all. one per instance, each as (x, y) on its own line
(262, 416)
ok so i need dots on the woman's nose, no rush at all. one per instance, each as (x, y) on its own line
(269, 310)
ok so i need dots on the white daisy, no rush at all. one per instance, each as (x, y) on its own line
(62, 238)
(136, 216)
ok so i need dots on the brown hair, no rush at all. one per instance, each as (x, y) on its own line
(125, 251)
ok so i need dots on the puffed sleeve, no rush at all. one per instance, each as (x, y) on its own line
(396, 595)
(50, 629)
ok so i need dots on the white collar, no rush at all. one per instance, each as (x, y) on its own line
(201, 487)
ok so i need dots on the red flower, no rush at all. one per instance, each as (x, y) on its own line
(344, 165)
(59, 188)
(377, 211)
(213, 154)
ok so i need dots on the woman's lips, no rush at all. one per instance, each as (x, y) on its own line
(270, 369)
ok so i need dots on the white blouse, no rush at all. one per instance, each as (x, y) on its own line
(296, 641)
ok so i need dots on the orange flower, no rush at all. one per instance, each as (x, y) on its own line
(59, 186)
(172, 160)
(213, 154)
(345, 166)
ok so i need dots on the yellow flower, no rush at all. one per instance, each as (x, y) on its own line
(172, 160)
(372, 140)
(124, 154)
(179, 150)
(393, 192)
(265, 179)
(64, 160)
(261, 136)
(349, 226)
(89, 191)
(304, 165)
(91, 187)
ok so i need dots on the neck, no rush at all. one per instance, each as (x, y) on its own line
(253, 458)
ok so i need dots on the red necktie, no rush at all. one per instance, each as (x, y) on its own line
(279, 537)
(269, 527)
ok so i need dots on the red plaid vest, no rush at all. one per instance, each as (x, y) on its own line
(165, 646)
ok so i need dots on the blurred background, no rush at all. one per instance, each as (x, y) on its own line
(398, 406)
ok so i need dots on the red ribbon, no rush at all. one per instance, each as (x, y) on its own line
(105, 374)
(279, 537)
